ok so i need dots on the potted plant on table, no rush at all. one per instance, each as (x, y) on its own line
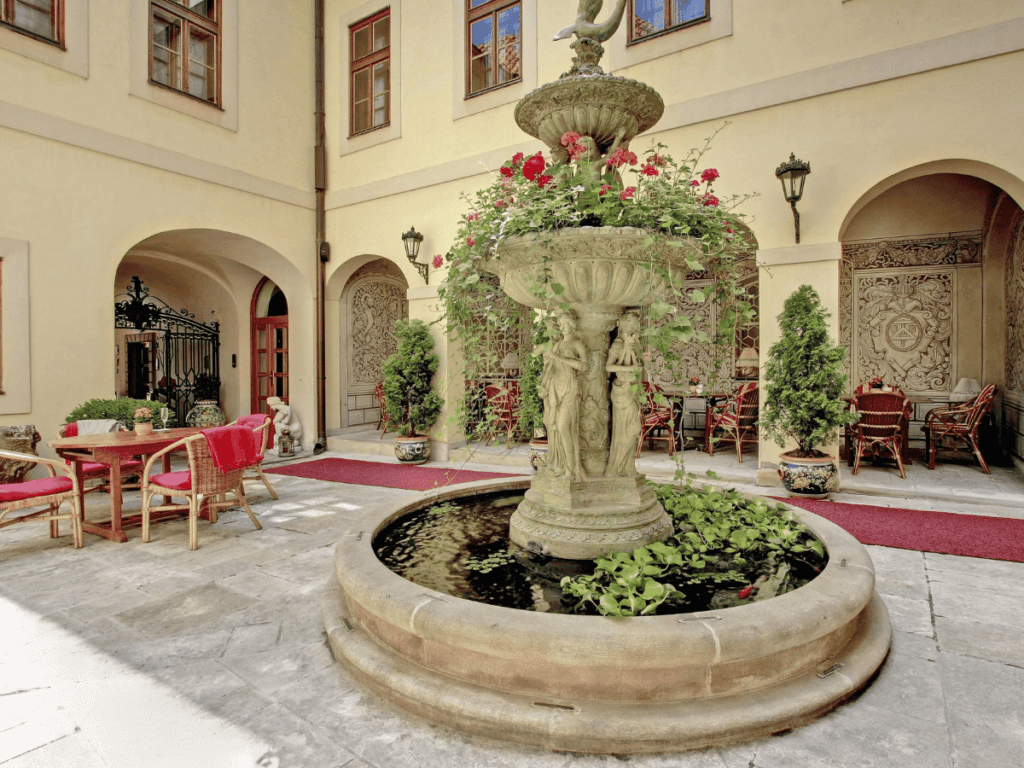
(412, 404)
(803, 396)
(143, 418)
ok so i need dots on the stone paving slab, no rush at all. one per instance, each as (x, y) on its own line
(231, 633)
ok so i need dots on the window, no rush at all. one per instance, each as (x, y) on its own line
(652, 17)
(494, 44)
(41, 18)
(184, 47)
(370, 44)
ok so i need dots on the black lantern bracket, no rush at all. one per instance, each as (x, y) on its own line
(412, 241)
(792, 174)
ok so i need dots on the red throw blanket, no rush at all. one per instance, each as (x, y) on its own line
(232, 447)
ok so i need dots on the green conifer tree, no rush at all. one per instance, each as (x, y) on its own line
(411, 402)
(805, 378)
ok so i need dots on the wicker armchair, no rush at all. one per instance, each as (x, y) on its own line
(260, 423)
(201, 485)
(881, 424)
(655, 418)
(382, 403)
(503, 411)
(950, 425)
(736, 417)
(48, 492)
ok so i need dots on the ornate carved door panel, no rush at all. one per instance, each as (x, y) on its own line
(906, 329)
(375, 301)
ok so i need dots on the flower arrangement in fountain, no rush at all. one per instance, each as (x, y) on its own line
(674, 202)
(584, 188)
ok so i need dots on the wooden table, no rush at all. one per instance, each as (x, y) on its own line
(111, 449)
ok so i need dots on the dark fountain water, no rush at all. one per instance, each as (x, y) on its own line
(462, 549)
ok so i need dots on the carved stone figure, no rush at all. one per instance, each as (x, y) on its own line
(284, 422)
(22, 440)
(586, 26)
(559, 388)
(624, 362)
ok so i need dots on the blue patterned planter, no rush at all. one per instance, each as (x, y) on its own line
(206, 414)
(809, 478)
(412, 450)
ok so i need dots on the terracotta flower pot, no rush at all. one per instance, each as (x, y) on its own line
(144, 428)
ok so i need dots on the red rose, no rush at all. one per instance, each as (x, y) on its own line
(543, 179)
(620, 157)
(694, 183)
(517, 158)
(438, 261)
(709, 200)
(648, 170)
(709, 175)
(627, 193)
(506, 171)
(534, 167)
(570, 137)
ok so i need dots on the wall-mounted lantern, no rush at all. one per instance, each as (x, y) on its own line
(792, 174)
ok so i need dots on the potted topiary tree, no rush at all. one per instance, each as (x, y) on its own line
(412, 404)
(803, 396)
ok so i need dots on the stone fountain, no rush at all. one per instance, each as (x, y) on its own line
(586, 683)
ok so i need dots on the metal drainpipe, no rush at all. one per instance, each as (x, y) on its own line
(323, 248)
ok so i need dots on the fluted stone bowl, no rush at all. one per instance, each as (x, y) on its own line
(597, 266)
(598, 684)
(598, 106)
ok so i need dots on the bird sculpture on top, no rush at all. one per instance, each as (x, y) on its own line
(586, 26)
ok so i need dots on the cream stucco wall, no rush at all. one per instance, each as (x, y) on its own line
(902, 109)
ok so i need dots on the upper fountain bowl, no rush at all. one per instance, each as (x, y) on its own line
(598, 106)
(595, 266)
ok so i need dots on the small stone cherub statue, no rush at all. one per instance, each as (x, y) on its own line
(285, 422)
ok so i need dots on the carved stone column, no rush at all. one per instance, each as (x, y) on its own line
(595, 325)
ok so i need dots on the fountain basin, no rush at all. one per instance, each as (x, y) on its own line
(596, 684)
(599, 267)
(599, 106)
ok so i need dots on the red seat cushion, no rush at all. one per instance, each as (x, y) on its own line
(32, 488)
(180, 481)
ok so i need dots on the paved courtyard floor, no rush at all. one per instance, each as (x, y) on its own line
(143, 655)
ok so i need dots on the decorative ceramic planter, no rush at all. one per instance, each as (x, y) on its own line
(538, 453)
(412, 450)
(144, 428)
(809, 478)
(206, 413)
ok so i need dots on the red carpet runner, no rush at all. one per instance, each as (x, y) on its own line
(993, 538)
(382, 475)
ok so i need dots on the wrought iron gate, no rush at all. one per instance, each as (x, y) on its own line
(188, 350)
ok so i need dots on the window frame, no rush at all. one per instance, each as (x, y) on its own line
(368, 62)
(489, 8)
(7, 13)
(631, 39)
(188, 19)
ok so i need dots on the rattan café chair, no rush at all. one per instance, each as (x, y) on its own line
(880, 426)
(48, 492)
(201, 485)
(260, 423)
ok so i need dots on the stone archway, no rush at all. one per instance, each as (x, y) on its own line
(920, 302)
(373, 300)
